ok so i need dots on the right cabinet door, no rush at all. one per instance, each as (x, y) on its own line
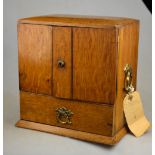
(94, 64)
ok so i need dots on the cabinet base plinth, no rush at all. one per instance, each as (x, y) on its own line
(73, 133)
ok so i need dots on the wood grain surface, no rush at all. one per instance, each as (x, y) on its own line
(79, 21)
(94, 64)
(127, 54)
(62, 77)
(35, 58)
(73, 133)
(92, 118)
(91, 84)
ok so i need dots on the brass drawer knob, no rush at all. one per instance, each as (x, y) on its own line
(61, 63)
(63, 115)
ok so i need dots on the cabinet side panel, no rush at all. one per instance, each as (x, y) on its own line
(62, 76)
(35, 58)
(127, 54)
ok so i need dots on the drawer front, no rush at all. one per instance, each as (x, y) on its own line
(92, 118)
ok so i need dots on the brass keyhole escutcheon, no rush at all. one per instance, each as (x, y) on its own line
(61, 64)
(63, 115)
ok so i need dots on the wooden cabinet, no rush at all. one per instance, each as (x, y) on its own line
(71, 74)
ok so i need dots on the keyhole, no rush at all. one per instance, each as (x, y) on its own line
(61, 63)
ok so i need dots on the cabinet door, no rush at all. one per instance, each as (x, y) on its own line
(62, 62)
(94, 64)
(35, 58)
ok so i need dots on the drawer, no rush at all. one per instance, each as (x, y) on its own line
(82, 116)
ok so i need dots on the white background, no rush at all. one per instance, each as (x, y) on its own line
(26, 142)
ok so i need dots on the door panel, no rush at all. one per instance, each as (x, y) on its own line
(35, 58)
(94, 64)
(62, 62)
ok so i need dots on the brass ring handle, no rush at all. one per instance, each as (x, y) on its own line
(61, 63)
(63, 120)
(63, 115)
(128, 79)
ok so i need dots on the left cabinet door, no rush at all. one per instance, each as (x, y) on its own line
(35, 58)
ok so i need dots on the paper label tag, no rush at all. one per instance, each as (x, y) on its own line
(134, 114)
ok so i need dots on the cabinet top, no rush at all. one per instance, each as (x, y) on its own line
(80, 21)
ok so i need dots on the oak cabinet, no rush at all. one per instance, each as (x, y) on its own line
(71, 74)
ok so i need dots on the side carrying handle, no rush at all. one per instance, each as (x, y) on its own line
(128, 87)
